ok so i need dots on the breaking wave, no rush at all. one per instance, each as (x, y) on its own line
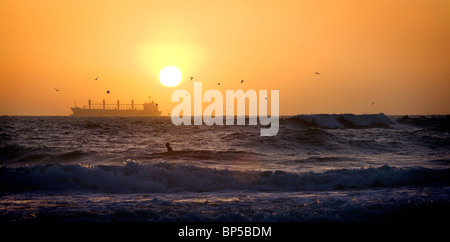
(166, 177)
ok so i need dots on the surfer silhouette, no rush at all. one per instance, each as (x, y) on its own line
(169, 149)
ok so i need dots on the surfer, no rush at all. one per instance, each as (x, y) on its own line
(169, 149)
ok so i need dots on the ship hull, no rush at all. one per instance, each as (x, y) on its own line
(80, 112)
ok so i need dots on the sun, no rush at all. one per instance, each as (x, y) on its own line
(170, 76)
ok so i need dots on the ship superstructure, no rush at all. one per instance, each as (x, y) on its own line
(117, 109)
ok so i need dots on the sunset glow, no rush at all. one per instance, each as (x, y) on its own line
(393, 53)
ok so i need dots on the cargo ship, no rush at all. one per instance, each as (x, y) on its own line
(112, 110)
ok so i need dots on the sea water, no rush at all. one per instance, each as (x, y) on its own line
(327, 167)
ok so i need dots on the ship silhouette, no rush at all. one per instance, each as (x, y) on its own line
(112, 110)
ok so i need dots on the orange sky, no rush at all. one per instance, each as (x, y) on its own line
(395, 53)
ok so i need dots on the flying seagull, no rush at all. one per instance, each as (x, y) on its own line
(96, 78)
(107, 91)
(317, 73)
(218, 83)
(56, 89)
(191, 78)
(373, 103)
(242, 81)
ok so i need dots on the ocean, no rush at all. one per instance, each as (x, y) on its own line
(318, 168)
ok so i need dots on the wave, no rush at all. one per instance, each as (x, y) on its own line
(169, 178)
(342, 121)
(203, 155)
(319, 158)
(441, 123)
(18, 153)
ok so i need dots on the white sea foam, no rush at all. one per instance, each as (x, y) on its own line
(135, 177)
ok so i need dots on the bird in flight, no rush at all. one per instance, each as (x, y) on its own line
(192, 78)
(218, 83)
(96, 78)
(373, 103)
(107, 91)
(242, 81)
(56, 89)
(317, 73)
